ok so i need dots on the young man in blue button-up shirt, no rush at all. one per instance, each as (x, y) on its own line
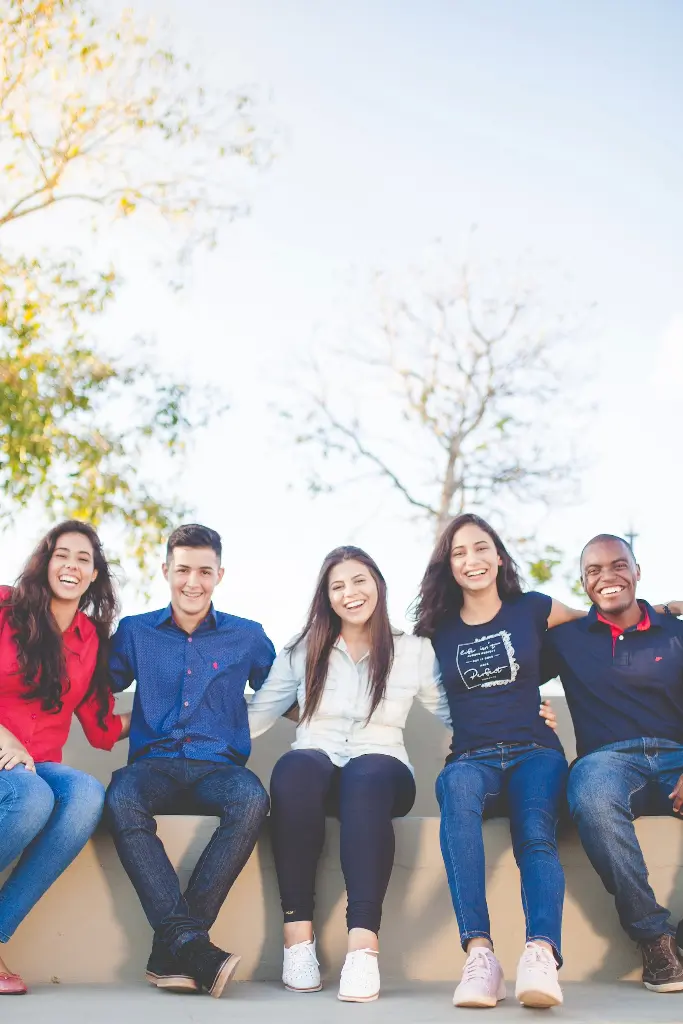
(189, 743)
(622, 672)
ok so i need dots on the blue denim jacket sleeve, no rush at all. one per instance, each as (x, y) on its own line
(121, 671)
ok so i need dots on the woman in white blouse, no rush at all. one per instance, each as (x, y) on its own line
(354, 678)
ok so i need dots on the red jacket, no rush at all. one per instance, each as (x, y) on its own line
(44, 733)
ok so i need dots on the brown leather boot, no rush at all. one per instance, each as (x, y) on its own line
(662, 970)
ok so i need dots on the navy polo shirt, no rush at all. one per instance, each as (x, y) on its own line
(491, 673)
(620, 689)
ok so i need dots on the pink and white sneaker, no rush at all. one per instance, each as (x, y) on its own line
(482, 981)
(537, 983)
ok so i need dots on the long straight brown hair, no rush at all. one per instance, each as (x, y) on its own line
(323, 627)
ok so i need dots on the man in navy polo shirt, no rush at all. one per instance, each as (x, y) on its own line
(189, 743)
(622, 672)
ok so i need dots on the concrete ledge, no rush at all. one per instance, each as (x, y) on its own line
(90, 927)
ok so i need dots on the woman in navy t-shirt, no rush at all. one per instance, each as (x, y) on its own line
(487, 636)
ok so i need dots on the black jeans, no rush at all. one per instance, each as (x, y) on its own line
(365, 795)
(180, 786)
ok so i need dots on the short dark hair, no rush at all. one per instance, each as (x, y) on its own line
(600, 538)
(193, 535)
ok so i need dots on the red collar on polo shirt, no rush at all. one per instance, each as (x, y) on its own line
(618, 631)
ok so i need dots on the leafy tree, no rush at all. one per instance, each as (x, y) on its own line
(97, 117)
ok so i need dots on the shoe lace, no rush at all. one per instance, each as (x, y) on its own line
(303, 952)
(539, 958)
(478, 965)
(361, 959)
(659, 954)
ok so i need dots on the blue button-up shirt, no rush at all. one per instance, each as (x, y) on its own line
(621, 689)
(189, 701)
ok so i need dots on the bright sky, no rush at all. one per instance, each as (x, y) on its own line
(554, 128)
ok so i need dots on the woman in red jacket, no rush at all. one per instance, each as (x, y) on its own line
(55, 624)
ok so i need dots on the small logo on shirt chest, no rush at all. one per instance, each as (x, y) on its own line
(215, 664)
(658, 658)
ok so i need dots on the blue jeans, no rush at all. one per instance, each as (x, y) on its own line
(46, 819)
(526, 782)
(607, 790)
(183, 786)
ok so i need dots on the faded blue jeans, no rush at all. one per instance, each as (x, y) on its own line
(607, 790)
(46, 819)
(527, 783)
(161, 785)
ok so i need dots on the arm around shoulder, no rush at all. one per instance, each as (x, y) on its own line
(561, 613)
(431, 693)
(278, 693)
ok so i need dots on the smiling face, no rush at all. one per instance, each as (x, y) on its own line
(474, 559)
(609, 574)
(193, 574)
(352, 592)
(71, 568)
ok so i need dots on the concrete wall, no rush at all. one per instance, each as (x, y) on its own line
(90, 928)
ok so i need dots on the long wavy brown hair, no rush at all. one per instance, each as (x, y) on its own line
(38, 637)
(323, 627)
(440, 595)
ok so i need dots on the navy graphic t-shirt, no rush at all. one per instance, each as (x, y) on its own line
(492, 672)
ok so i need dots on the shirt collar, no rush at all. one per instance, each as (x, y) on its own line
(340, 643)
(76, 625)
(649, 618)
(165, 616)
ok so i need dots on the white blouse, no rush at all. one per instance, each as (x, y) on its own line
(338, 727)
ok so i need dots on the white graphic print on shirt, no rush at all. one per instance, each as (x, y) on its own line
(488, 661)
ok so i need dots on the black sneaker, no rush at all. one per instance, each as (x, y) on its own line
(662, 970)
(164, 971)
(211, 967)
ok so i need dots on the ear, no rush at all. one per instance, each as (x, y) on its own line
(637, 573)
(500, 560)
(164, 569)
(94, 576)
(221, 574)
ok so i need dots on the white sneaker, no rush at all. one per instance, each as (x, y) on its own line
(359, 982)
(300, 970)
(537, 983)
(482, 981)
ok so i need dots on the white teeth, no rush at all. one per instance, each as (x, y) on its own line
(67, 579)
(354, 605)
(476, 572)
(611, 590)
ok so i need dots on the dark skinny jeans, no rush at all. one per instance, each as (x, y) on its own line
(162, 785)
(365, 795)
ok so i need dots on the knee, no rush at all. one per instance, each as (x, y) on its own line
(23, 791)
(591, 794)
(86, 802)
(121, 798)
(456, 789)
(252, 797)
(292, 773)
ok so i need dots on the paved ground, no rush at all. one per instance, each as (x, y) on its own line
(251, 1002)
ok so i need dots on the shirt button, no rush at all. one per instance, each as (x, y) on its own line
(621, 637)
(187, 703)
(189, 671)
(189, 639)
(34, 717)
